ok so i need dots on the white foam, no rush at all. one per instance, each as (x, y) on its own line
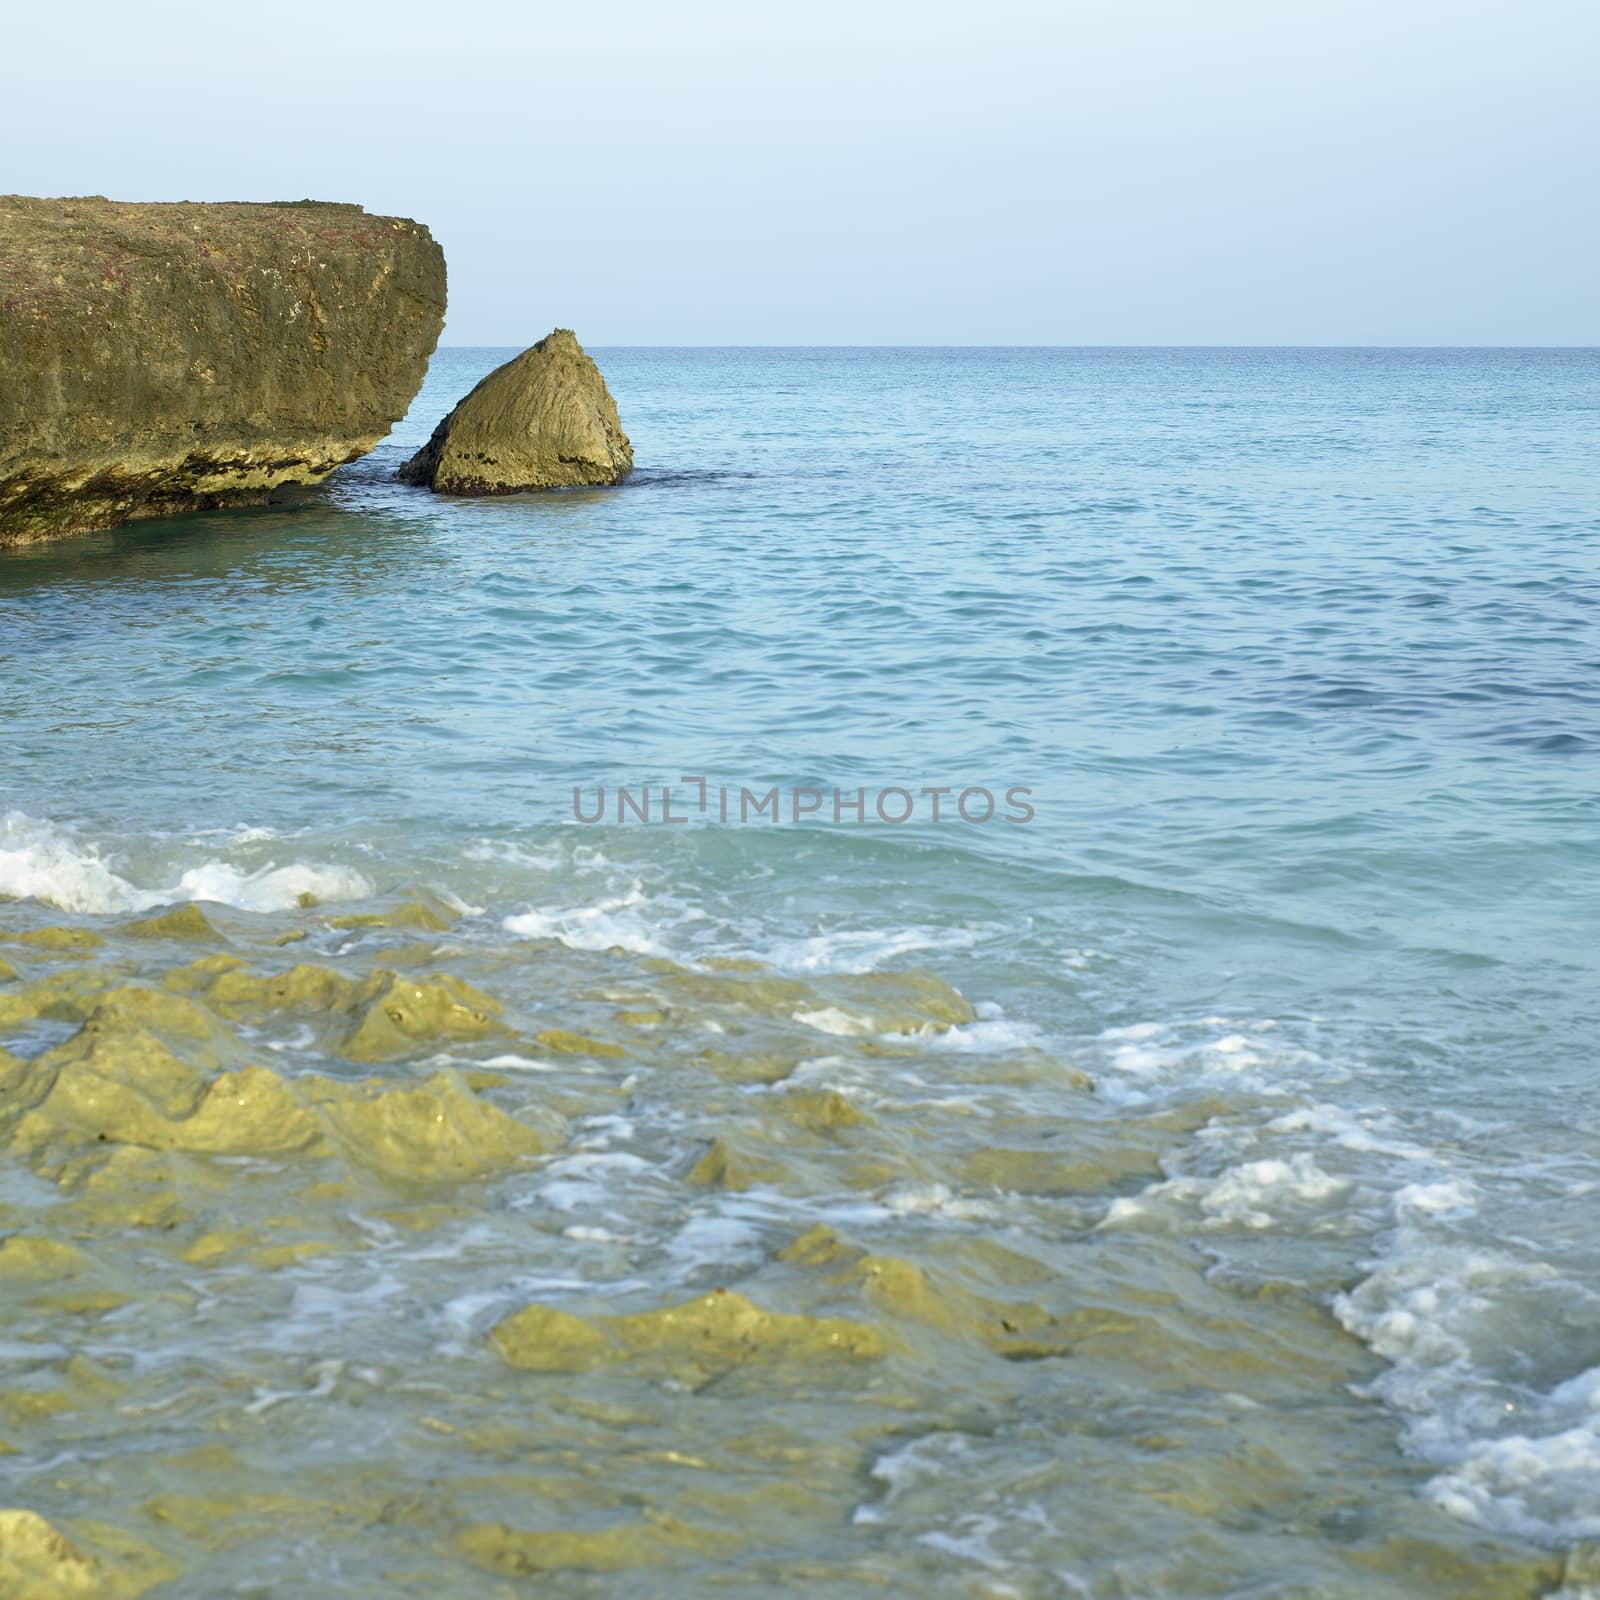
(1135, 1051)
(911, 1464)
(501, 850)
(860, 950)
(243, 834)
(1541, 1487)
(41, 861)
(830, 1019)
(915, 1481)
(1254, 1194)
(910, 1199)
(1466, 1331)
(583, 1162)
(270, 888)
(1126, 1211)
(1481, 1339)
(1354, 1131)
(1447, 1197)
(1143, 1059)
(989, 1035)
(327, 1375)
(614, 922)
(515, 1063)
(597, 1132)
(972, 1544)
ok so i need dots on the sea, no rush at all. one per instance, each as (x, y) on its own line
(1082, 865)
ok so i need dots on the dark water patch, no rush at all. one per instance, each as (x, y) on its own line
(1547, 744)
(668, 478)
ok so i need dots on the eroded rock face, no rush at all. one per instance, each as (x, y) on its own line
(165, 358)
(543, 421)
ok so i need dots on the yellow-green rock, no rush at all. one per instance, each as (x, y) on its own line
(407, 914)
(439, 1132)
(715, 1331)
(543, 1339)
(820, 1110)
(562, 1043)
(182, 922)
(406, 1012)
(238, 993)
(542, 421)
(22, 1256)
(121, 1085)
(1019, 1330)
(516, 1553)
(818, 1246)
(165, 358)
(1060, 1172)
(39, 1562)
(724, 1167)
(61, 939)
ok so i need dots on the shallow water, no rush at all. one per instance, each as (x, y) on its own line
(1215, 1214)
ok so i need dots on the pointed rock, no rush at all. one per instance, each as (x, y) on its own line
(542, 421)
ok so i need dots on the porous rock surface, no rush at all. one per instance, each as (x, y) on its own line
(164, 358)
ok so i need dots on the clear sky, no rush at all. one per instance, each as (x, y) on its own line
(910, 171)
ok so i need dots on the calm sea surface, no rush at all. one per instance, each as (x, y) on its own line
(1243, 1237)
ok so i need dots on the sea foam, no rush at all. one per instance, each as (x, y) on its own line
(40, 860)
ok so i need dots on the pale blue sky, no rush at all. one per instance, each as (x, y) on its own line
(1085, 172)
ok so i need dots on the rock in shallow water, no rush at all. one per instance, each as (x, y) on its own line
(166, 358)
(542, 421)
(38, 1562)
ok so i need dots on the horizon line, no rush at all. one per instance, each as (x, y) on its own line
(914, 345)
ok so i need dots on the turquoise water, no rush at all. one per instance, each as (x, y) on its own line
(1295, 652)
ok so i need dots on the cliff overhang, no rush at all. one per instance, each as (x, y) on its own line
(163, 358)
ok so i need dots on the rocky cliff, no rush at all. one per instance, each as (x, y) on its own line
(544, 420)
(166, 358)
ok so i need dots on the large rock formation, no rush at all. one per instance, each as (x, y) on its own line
(543, 421)
(164, 358)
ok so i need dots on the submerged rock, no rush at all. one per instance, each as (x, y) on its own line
(393, 1015)
(406, 1011)
(22, 1256)
(142, 1071)
(423, 915)
(436, 1133)
(36, 1558)
(563, 1042)
(39, 1562)
(521, 1553)
(708, 1334)
(182, 922)
(543, 421)
(1018, 1330)
(165, 358)
(61, 939)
